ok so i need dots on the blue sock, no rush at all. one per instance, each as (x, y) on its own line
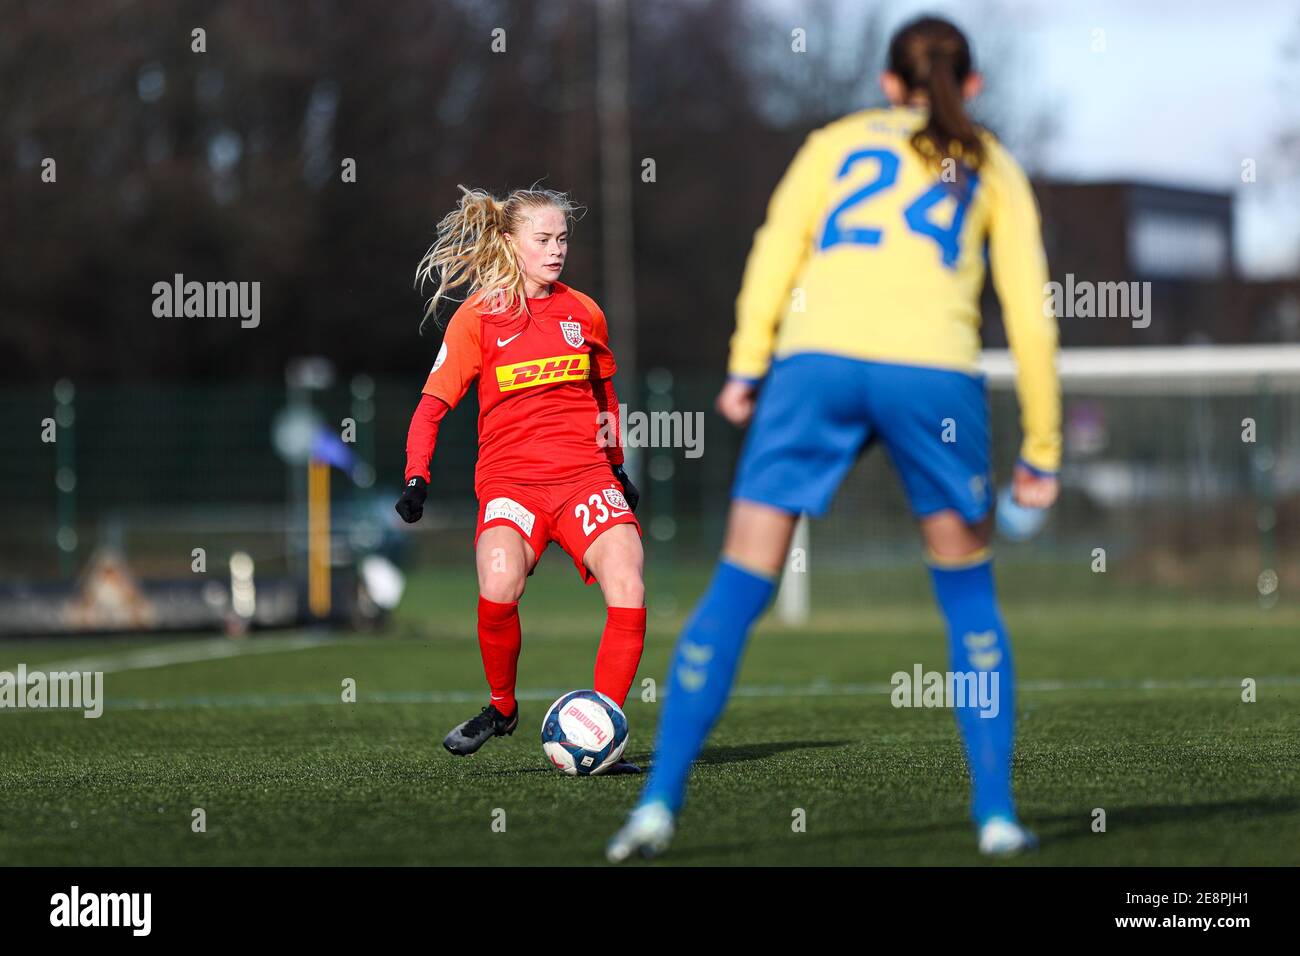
(700, 675)
(977, 642)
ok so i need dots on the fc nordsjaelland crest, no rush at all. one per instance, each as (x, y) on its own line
(572, 333)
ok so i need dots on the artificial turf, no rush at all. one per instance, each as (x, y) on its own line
(1133, 707)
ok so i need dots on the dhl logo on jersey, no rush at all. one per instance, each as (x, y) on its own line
(547, 371)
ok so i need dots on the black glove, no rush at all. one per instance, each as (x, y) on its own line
(411, 505)
(629, 489)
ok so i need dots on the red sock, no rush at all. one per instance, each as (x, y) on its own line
(498, 642)
(620, 652)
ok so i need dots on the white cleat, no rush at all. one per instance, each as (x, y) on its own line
(646, 832)
(1002, 836)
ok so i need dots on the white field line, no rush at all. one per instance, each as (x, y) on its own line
(222, 648)
(815, 689)
(187, 652)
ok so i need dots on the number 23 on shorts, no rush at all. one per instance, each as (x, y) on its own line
(599, 508)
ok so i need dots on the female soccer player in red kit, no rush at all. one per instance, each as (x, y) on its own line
(540, 355)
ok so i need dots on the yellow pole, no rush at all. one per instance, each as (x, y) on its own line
(318, 538)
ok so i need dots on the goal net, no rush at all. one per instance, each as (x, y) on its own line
(1181, 481)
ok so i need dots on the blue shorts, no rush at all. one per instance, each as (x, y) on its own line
(817, 413)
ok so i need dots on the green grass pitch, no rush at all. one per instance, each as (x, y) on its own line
(1131, 705)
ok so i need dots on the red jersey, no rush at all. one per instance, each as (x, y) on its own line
(542, 384)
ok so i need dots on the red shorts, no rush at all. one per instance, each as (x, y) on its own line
(573, 514)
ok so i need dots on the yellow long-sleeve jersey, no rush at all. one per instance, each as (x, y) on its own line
(871, 252)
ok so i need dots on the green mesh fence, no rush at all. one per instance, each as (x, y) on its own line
(1161, 479)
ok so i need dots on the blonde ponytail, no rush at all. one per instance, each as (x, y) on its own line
(471, 249)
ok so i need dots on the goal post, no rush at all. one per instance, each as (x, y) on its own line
(1219, 368)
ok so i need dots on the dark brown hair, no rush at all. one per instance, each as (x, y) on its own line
(931, 55)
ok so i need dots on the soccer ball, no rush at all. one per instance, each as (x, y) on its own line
(584, 733)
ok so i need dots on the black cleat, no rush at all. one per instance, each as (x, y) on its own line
(622, 766)
(468, 737)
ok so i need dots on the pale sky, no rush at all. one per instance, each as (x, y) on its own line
(1181, 93)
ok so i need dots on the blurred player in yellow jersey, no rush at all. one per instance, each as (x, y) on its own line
(859, 320)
